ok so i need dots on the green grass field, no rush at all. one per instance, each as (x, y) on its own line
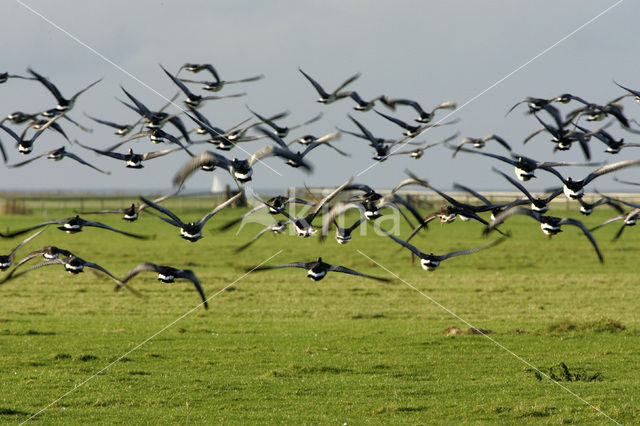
(276, 347)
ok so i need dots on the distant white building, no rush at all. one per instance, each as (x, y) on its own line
(216, 185)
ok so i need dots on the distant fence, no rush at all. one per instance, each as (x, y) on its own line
(21, 203)
(425, 197)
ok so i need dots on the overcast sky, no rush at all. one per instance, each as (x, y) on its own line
(426, 51)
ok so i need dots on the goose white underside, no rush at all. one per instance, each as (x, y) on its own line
(316, 276)
(429, 265)
(523, 175)
(538, 209)
(73, 269)
(549, 229)
(586, 211)
(305, 233)
(343, 239)
(448, 218)
(278, 229)
(372, 214)
(188, 236)
(166, 278)
(571, 194)
(243, 177)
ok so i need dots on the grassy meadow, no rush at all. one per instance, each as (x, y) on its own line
(276, 347)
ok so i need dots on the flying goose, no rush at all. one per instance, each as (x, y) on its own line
(343, 235)
(318, 269)
(525, 166)
(413, 131)
(480, 142)
(121, 129)
(39, 122)
(7, 260)
(19, 117)
(273, 203)
(373, 202)
(424, 116)
(587, 208)
(296, 159)
(194, 101)
(217, 85)
(132, 212)
(325, 97)
(381, 146)
(495, 210)
(634, 93)
(304, 224)
(168, 274)
(156, 135)
(157, 119)
(132, 161)
(278, 227)
(57, 155)
(191, 231)
(240, 170)
(574, 189)
(550, 225)
(47, 252)
(223, 139)
(613, 146)
(430, 261)
(72, 225)
(562, 138)
(419, 152)
(368, 105)
(534, 104)
(448, 214)
(74, 265)
(628, 219)
(539, 205)
(5, 76)
(25, 146)
(283, 131)
(308, 140)
(596, 112)
(63, 103)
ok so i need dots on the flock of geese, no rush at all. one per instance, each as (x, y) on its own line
(176, 131)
